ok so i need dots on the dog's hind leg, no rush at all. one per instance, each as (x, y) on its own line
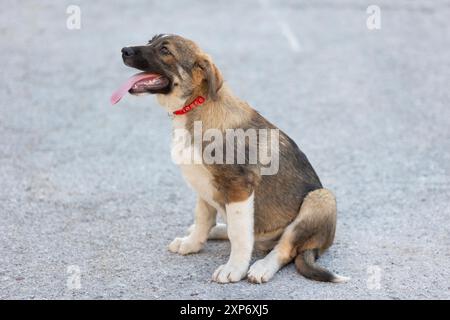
(306, 237)
(218, 232)
(314, 233)
(264, 269)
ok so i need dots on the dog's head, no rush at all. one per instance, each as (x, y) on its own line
(172, 65)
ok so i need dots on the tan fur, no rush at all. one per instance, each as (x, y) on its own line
(318, 214)
(224, 113)
(313, 228)
(291, 212)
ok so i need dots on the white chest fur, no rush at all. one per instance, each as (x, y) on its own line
(196, 175)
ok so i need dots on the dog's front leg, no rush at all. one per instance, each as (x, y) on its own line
(205, 219)
(240, 232)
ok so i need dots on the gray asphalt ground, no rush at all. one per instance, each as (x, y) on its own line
(90, 186)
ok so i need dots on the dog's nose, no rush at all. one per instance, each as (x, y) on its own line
(128, 52)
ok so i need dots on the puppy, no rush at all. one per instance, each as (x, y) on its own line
(285, 211)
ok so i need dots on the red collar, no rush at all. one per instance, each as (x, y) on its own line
(198, 101)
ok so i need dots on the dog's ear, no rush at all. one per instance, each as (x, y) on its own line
(211, 75)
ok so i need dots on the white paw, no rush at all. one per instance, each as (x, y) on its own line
(185, 246)
(261, 271)
(229, 273)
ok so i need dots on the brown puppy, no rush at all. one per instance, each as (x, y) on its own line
(280, 206)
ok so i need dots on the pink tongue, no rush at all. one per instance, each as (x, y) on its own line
(119, 93)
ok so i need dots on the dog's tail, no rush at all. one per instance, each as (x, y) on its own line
(306, 266)
(314, 233)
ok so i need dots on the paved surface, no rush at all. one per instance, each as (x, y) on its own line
(89, 186)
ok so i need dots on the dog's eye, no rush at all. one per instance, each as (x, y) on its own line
(164, 51)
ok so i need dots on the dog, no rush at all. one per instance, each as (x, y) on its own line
(288, 214)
